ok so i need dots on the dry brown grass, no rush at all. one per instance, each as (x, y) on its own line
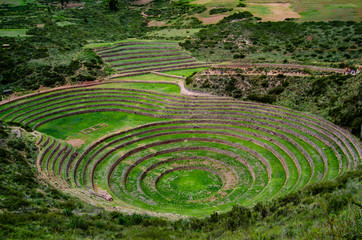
(76, 142)
(277, 11)
(141, 2)
(212, 20)
(154, 23)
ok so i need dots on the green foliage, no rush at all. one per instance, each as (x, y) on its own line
(53, 54)
(329, 43)
(236, 16)
(16, 144)
(113, 5)
(162, 10)
(336, 97)
(266, 98)
(219, 10)
(31, 209)
(188, 80)
(241, 5)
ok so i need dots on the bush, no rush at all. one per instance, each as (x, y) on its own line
(82, 78)
(239, 56)
(262, 98)
(78, 222)
(16, 144)
(219, 10)
(189, 80)
(236, 16)
(277, 90)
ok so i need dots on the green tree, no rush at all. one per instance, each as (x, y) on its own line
(113, 5)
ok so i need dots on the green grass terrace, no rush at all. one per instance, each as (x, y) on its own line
(146, 148)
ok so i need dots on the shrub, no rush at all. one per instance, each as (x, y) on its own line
(189, 80)
(239, 56)
(277, 90)
(262, 98)
(219, 10)
(236, 16)
(78, 222)
(82, 78)
(16, 144)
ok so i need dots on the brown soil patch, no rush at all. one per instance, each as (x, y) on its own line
(69, 5)
(141, 2)
(216, 2)
(76, 142)
(156, 23)
(280, 11)
(202, 1)
(212, 20)
(40, 25)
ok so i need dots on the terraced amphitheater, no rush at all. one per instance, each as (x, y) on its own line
(140, 57)
(156, 151)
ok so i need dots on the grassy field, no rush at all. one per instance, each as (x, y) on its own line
(129, 58)
(272, 10)
(172, 33)
(13, 2)
(186, 72)
(13, 33)
(157, 87)
(339, 10)
(147, 77)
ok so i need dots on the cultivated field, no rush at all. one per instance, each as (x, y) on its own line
(149, 149)
(142, 57)
(13, 33)
(272, 10)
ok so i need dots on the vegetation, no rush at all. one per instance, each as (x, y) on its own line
(334, 97)
(129, 58)
(33, 209)
(124, 150)
(219, 10)
(245, 152)
(48, 57)
(309, 43)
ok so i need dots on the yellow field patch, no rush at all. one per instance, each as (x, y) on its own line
(272, 11)
(141, 2)
(156, 23)
(76, 142)
(212, 20)
(216, 2)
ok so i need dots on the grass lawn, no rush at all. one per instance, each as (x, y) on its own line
(167, 33)
(14, 2)
(147, 77)
(13, 33)
(333, 11)
(278, 10)
(185, 72)
(110, 44)
(70, 127)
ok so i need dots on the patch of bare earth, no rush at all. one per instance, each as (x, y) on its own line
(141, 2)
(76, 142)
(70, 5)
(156, 23)
(280, 11)
(212, 20)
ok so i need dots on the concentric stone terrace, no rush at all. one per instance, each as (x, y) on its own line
(140, 57)
(189, 155)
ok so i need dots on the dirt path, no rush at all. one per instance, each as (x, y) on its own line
(250, 65)
(180, 83)
(183, 90)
